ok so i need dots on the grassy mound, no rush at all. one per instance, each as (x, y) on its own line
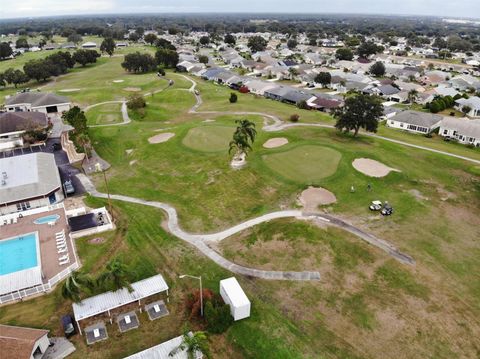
(209, 138)
(305, 164)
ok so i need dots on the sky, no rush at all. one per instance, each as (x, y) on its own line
(35, 8)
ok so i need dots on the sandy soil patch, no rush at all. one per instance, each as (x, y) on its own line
(313, 197)
(132, 162)
(162, 137)
(118, 81)
(97, 240)
(371, 167)
(275, 142)
(69, 90)
(132, 89)
(129, 151)
(208, 120)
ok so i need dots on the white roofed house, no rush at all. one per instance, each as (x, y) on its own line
(89, 45)
(464, 131)
(29, 181)
(473, 103)
(415, 121)
(45, 102)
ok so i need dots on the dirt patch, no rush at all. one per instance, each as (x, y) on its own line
(69, 90)
(371, 167)
(275, 142)
(118, 81)
(418, 195)
(132, 89)
(208, 120)
(97, 240)
(313, 197)
(131, 163)
(162, 137)
(129, 151)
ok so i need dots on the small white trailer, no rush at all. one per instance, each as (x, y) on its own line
(234, 296)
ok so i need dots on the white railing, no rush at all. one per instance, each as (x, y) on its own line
(41, 288)
(30, 212)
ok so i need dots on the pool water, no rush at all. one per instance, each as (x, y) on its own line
(18, 253)
(47, 219)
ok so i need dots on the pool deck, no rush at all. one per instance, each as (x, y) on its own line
(46, 234)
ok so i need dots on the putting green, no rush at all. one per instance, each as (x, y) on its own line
(105, 114)
(304, 164)
(209, 138)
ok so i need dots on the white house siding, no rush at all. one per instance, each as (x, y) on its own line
(464, 139)
(41, 343)
(11, 140)
(31, 203)
(410, 128)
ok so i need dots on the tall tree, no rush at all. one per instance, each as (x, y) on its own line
(361, 111)
(292, 43)
(344, 54)
(116, 276)
(323, 78)
(192, 344)
(257, 43)
(75, 38)
(167, 58)
(230, 39)
(204, 40)
(15, 77)
(108, 46)
(22, 43)
(5, 50)
(377, 69)
(367, 48)
(150, 38)
(75, 285)
(243, 137)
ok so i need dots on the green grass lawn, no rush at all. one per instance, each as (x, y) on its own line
(209, 138)
(304, 164)
(104, 114)
(365, 301)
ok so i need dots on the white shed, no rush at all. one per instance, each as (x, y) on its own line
(234, 296)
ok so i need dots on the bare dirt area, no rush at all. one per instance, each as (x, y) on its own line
(372, 168)
(117, 81)
(275, 142)
(97, 240)
(313, 197)
(132, 89)
(160, 138)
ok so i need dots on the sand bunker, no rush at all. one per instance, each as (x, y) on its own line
(118, 81)
(275, 142)
(69, 90)
(132, 89)
(162, 137)
(313, 197)
(372, 168)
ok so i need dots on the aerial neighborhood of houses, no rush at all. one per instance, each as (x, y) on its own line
(43, 167)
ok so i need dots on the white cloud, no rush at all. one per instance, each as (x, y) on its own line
(26, 8)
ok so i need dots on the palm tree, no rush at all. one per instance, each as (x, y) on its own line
(465, 110)
(242, 137)
(75, 284)
(412, 95)
(192, 343)
(115, 277)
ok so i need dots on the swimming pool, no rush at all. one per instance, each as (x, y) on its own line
(47, 219)
(19, 253)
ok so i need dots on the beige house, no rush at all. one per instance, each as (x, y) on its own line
(23, 343)
(29, 181)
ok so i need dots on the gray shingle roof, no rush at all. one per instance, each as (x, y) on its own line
(36, 99)
(417, 118)
(18, 121)
(463, 126)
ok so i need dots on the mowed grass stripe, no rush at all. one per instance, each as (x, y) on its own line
(306, 164)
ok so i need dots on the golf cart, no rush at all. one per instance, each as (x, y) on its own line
(387, 210)
(376, 206)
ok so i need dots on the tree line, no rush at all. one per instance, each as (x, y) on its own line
(53, 65)
(166, 56)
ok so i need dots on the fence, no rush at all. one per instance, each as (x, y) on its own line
(39, 289)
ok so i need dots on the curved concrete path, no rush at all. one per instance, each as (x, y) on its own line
(201, 241)
(125, 118)
(279, 125)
